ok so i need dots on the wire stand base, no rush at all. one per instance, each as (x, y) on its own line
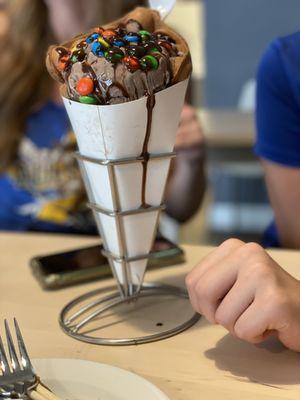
(84, 310)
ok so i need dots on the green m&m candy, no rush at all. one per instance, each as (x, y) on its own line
(149, 62)
(145, 35)
(114, 54)
(88, 100)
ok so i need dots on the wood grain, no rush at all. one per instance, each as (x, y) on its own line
(201, 363)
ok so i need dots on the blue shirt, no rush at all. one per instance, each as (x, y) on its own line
(278, 108)
(43, 190)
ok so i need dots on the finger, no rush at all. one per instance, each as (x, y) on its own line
(253, 324)
(215, 283)
(234, 304)
(210, 260)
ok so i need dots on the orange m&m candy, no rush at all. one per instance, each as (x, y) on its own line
(109, 33)
(85, 86)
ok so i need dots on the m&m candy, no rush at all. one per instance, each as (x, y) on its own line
(162, 36)
(118, 42)
(132, 63)
(78, 55)
(92, 38)
(109, 34)
(88, 100)
(81, 45)
(145, 35)
(114, 54)
(132, 37)
(135, 50)
(85, 86)
(163, 43)
(103, 42)
(96, 49)
(151, 47)
(149, 62)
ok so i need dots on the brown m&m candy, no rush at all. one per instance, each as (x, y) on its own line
(152, 46)
(136, 51)
(78, 55)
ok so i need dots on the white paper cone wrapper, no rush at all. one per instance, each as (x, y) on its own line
(136, 270)
(128, 183)
(137, 229)
(118, 131)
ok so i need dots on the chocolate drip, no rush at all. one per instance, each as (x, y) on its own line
(145, 153)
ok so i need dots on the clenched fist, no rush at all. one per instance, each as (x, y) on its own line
(242, 288)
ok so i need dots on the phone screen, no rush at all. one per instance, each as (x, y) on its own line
(75, 260)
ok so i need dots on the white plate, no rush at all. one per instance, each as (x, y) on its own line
(73, 379)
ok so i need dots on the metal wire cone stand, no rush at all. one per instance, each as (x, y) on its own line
(83, 311)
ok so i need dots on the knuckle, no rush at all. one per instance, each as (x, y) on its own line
(241, 332)
(232, 242)
(189, 281)
(203, 292)
(222, 318)
(250, 249)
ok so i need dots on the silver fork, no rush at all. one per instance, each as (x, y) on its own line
(17, 375)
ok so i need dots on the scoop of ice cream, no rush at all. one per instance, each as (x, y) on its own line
(135, 56)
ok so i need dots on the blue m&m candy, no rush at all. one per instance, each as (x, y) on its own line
(96, 49)
(92, 38)
(132, 37)
(118, 42)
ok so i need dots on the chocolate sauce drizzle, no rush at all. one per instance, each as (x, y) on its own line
(145, 153)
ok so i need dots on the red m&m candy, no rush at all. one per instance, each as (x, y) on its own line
(165, 44)
(132, 63)
(85, 86)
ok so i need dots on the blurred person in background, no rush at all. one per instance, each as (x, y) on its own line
(40, 185)
(239, 285)
(278, 137)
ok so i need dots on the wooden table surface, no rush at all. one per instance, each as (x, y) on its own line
(227, 128)
(201, 363)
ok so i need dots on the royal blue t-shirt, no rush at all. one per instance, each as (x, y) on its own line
(278, 108)
(43, 189)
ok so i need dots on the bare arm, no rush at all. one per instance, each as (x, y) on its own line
(186, 183)
(284, 191)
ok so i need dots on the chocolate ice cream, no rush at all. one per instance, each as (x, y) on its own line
(135, 56)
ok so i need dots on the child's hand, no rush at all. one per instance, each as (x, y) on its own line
(242, 288)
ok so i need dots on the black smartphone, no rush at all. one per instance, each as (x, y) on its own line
(59, 270)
